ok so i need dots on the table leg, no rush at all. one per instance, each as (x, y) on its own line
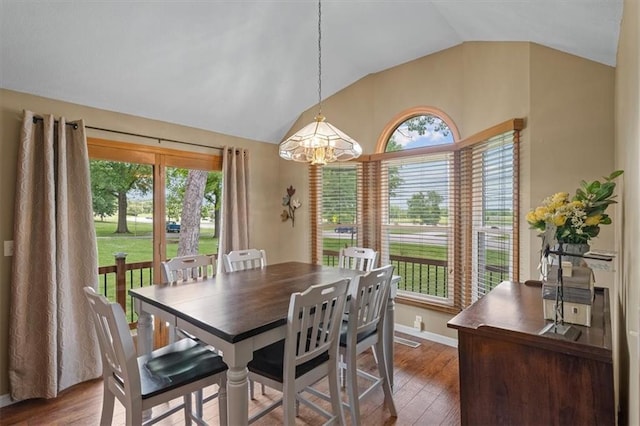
(238, 383)
(145, 330)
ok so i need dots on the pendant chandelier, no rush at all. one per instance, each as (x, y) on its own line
(319, 142)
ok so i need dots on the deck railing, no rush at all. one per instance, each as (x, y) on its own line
(426, 276)
(115, 281)
(419, 275)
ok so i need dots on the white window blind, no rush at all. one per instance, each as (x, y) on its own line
(416, 234)
(337, 216)
(488, 197)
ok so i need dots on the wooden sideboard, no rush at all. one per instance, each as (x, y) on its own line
(509, 374)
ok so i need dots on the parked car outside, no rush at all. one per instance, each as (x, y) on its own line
(173, 226)
(346, 230)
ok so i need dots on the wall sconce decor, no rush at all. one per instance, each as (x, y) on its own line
(291, 204)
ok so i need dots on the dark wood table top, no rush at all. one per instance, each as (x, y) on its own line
(235, 306)
(514, 311)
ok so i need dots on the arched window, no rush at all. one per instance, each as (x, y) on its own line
(418, 127)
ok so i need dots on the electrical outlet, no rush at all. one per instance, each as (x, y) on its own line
(418, 323)
(8, 248)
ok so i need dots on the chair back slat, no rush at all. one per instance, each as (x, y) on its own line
(368, 302)
(240, 260)
(358, 258)
(188, 268)
(313, 322)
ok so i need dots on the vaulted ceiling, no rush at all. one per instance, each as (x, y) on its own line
(249, 68)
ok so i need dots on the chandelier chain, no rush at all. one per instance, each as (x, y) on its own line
(319, 57)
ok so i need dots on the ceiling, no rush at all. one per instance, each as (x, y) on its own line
(249, 68)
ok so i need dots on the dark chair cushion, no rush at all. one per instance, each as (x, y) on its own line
(269, 360)
(359, 338)
(177, 364)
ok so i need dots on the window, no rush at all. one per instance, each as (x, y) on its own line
(138, 193)
(488, 185)
(417, 233)
(336, 210)
(426, 129)
(440, 209)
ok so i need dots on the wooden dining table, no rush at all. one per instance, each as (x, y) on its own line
(238, 313)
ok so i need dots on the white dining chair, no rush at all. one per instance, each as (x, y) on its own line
(143, 382)
(363, 330)
(307, 354)
(239, 260)
(359, 258)
(188, 268)
(184, 269)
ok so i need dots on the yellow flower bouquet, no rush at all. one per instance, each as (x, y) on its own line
(578, 219)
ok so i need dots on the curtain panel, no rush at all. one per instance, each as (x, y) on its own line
(52, 343)
(234, 233)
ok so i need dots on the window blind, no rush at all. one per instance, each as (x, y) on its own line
(337, 218)
(416, 232)
(488, 205)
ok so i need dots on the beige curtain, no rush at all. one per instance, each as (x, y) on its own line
(234, 233)
(52, 343)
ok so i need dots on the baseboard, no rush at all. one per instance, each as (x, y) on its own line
(5, 400)
(426, 335)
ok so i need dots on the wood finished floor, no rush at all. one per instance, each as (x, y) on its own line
(426, 393)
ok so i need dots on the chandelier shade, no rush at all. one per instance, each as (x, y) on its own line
(319, 142)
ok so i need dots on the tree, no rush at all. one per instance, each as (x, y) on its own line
(394, 174)
(116, 179)
(175, 187)
(104, 203)
(213, 195)
(191, 212)
(425, 209)
(420, 124)
(339, 201)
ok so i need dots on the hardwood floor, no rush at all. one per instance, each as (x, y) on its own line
(426, 392)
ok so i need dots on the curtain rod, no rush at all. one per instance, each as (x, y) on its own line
(75, 126)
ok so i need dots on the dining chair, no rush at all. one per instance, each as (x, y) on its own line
(239, 260)
(359, 258)
(143, 382)
(307, 354)
(363, 330)
(183, 269)
(188, 268)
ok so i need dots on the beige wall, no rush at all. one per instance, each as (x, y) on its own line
(626, 299)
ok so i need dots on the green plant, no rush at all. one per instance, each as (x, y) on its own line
(578, 219)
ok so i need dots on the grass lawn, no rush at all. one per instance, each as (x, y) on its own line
(139, 243)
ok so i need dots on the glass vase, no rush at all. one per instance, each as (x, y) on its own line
(579, 249)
